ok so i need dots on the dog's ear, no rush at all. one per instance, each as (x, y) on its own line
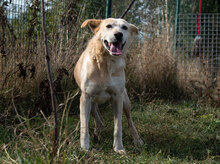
(134, 29)
(93, 24)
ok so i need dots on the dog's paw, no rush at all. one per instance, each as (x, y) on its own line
(85, 146)
(85, 149)
(138, 142)
(120, 151)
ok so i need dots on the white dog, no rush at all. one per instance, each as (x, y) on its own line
(100, 75)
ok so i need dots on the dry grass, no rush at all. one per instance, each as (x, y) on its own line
(154, 72)
(27, 72)
(151, 69)
(197, 81)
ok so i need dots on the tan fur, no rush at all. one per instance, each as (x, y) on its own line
(93, 24)
(100, 76)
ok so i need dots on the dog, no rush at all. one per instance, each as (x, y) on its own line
(99, 73)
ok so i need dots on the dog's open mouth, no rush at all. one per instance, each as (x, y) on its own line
(115, 48)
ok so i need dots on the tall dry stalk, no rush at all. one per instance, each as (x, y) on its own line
(51, 82)
(125, 12)
(166, 19)
(151, 68)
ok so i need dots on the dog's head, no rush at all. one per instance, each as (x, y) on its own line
(115, 34)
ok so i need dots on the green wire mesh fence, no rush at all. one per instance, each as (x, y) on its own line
(20, 28)
(200, 55)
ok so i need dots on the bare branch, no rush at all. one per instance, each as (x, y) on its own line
(123, 15)
(51, 82)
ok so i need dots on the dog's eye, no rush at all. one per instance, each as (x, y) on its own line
(109, 26)
(124, 27)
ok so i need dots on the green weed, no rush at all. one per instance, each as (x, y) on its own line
(172, 133)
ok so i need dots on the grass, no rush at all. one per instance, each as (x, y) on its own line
(172, 133)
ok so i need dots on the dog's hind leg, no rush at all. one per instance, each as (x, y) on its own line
(98, 119)
(127, 110)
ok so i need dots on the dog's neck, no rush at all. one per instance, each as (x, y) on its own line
(96, 47)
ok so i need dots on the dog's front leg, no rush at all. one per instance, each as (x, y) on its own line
(118, 108)
(85, 108)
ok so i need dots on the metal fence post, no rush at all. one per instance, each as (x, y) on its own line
(108, 9)
(176, 24)
(175, 36)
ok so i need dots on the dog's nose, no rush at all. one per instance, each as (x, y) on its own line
(118, 36)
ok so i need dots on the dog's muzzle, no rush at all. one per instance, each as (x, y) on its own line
(115, 48)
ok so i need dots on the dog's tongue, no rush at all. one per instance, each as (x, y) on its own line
(116, 49)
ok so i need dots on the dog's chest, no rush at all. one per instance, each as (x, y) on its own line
(111, 84)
